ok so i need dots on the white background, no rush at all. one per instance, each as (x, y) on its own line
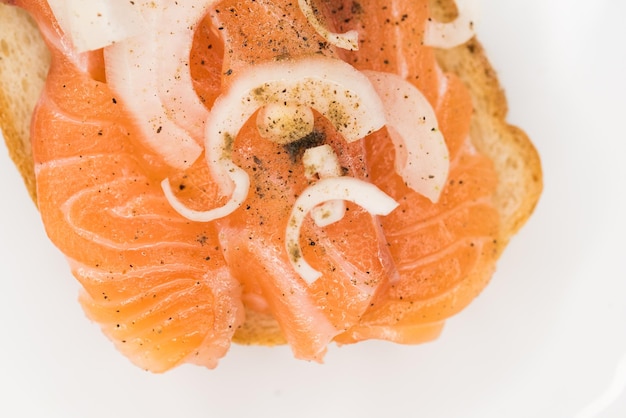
(544, 339)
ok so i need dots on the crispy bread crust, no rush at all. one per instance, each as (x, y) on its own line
(518, 165)
(24, 62)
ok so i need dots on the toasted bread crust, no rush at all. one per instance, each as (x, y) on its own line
(22, 51)
(24, 62)
(259, 329)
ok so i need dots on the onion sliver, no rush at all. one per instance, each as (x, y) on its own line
(239, 194)
(321, 161)
(422, 158)
(174, 36)
(95, 24)
(133, 73)
(129, 68)
(284, 124)
(335, 89)
(348, 40)
(364, 194)
(455, 33)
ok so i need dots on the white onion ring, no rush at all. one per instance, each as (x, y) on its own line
(335, 89)
(176, 27)
(321, 161)
(284, 124)
(455, 33)
(348, 40)
(95, 24)
(158, 89)
(364, 194)
(242, 184)
(422, 158)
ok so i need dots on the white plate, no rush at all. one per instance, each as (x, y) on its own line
(544, 340)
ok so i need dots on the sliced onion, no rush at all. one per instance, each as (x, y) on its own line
(364, 194)
(95, 24)
(242, 184)
(150, 73)
(174, 36)
(283, 124)
(422, 158)
(147, 65)
(335, 89)
(130, 74)
(457, 32)
(322, 162)
(348, 40)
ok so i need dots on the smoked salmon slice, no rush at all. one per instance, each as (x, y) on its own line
(167, 289)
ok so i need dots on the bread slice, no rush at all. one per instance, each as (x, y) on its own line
(24, 60)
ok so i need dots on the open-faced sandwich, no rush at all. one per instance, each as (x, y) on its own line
(264, 172)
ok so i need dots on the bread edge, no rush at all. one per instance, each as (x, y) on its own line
(24, 60)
